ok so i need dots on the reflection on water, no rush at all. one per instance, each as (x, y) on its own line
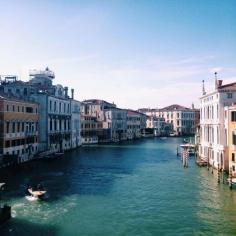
(135, 188)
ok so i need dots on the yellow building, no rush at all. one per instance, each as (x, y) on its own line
(232, 139)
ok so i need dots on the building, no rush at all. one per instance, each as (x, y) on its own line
(213, 131)
(56, 115)
(91, 129)
(114, 120)
(116, 124)
(96, 108)
(230, 118)
(183, 120)
(133, 124)
(19, 129)
(158, 125)
(75, 122)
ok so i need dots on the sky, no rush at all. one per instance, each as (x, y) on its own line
(135, 53)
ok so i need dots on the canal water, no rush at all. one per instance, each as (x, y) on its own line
(134, 188)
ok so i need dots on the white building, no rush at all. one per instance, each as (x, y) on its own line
(184, 120)
(213, 131)
(75, 123)
(116, 123)
(133, 124)
(157, 124)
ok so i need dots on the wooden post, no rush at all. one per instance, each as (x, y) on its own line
(218, 173)
(230, 178)
(207, 162)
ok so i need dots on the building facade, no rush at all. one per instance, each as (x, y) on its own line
(56, 114)
(213, 131)
(133, 124)
(19, 130)
(183, 120)
(116, 123)
(158, 125)
(230, 113)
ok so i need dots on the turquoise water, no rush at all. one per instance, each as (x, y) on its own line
(136, 188)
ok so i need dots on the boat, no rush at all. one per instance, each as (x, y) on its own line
(5, 210)
(37, 193)
(33, 195)
(190, 148)
(185, 140)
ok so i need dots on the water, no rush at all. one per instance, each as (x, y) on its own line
(136, 188)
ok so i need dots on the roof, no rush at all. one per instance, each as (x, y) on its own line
(232, 85)
(97, 101)
(9, 97)
(174, 107)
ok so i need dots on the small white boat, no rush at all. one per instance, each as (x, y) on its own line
(36, 193)
(31, 198)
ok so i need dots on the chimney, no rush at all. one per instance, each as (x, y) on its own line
(203, 88)
(66, 91)
(72, 93)
(216, 83)
(219, 83)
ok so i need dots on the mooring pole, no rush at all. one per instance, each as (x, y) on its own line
(230, 178)
(218, 173)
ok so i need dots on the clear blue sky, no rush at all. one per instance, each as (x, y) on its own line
(135, 53)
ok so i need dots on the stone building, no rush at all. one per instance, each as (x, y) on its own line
(56, 116)
(184, 120)
(213, 131)
(19, 129)
(133, 124)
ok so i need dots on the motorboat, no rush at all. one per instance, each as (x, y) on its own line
(189, 147)
(35, 194)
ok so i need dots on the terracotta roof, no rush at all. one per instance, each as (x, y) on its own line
(228, 85)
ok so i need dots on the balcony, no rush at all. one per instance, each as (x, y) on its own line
(31, 133)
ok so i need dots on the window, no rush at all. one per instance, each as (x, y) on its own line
(13, 108)
(233, 168)
(55, 106)
(234, 137)
(229, 95)
(7, 108)
(29, 109)
(23, 109)
(50, 124)
(8, 125)
(18, 127)
(233, 115)
(233, 157)
(23, 127)
(7, 144)
(13, 127)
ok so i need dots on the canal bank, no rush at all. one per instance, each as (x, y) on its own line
(134, 188)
